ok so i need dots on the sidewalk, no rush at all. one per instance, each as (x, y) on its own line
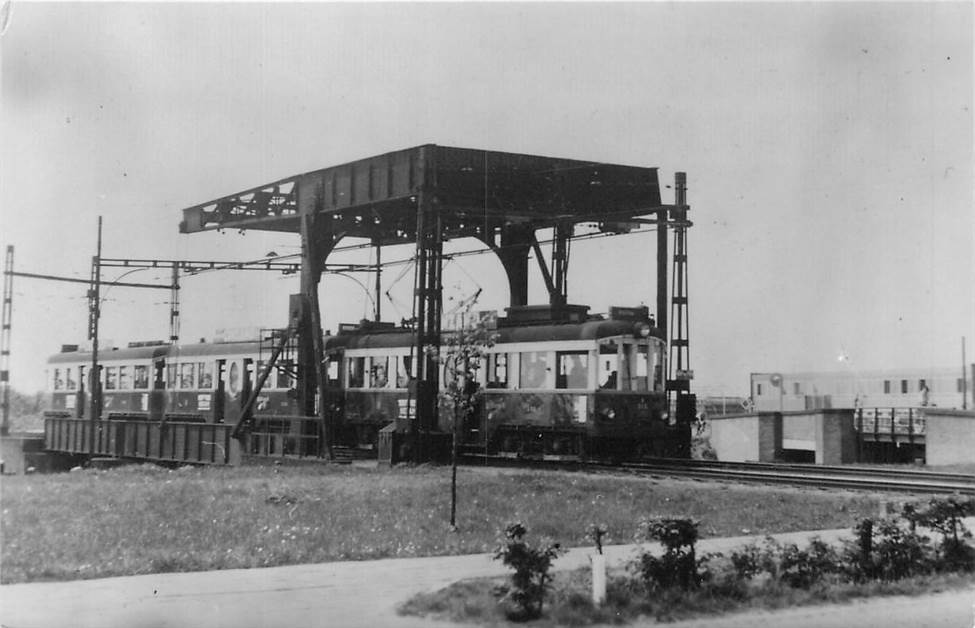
(365, 594)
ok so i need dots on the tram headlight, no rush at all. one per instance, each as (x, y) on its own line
(642, 330)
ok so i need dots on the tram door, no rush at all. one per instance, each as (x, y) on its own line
(335, 396)
(80, 397)
(157, 396)
(219, 397)
(246, 381)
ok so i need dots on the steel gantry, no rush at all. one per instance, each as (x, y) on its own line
(426, 195)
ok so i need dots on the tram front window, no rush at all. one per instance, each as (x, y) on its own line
(638, 358)
(608, 367)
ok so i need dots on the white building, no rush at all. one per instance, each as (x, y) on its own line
(899, 388)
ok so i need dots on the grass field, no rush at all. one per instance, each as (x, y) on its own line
(144, 519)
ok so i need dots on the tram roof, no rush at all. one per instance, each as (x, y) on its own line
(589, 330)
(376, 197)
(106, 355)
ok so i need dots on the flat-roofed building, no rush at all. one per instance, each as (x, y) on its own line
(946, 387)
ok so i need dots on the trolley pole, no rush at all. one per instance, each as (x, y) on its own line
(94, 307)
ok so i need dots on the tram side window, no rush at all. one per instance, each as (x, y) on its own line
(233, 377)
(124, 382)
(58, 382)
(170, 376)
(204, 373)
(379, 373)
(357, 367)
(534, 365)
(186, 375)
(69, 379)
(111, 378)
(404, 371)
(333, 368)
(284, 373)
(140, 376)
(573, 369)
(497, 370)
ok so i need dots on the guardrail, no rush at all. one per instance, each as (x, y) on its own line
(169, 441)
(891, 421)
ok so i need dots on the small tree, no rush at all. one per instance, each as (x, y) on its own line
(678, 565)
(461, 355)
(531, 564)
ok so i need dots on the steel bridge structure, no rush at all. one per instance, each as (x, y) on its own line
(428, 194)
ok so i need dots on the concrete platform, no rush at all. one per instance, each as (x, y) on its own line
(365, 594)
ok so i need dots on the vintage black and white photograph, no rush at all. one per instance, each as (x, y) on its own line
(470, 314)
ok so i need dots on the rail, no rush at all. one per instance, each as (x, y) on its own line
(818, 476)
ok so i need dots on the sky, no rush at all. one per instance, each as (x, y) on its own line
(827, 145)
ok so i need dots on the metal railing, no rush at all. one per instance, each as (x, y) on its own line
(198, 443)
(891, 422)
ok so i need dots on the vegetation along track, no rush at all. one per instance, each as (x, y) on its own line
(819, 476)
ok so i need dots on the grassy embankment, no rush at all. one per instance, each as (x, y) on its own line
(138, 520)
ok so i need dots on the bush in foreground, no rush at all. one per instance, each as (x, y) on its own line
(887, 556)
(531, 579)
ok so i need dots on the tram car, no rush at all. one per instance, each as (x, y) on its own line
(555, 383)
(203, 382)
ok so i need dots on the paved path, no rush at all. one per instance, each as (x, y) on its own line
(332, 595)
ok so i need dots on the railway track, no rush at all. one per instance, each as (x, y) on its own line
(842, 477)
(818, 476)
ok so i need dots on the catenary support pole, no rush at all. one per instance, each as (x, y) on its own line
(8, 297)
(94, 311)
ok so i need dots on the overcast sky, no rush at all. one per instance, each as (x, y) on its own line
(828, 149)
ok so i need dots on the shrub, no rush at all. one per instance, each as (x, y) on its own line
(531, 579)
(944, 516)
(884, 550)
(678, 567)
(751, 560)
(801, 568)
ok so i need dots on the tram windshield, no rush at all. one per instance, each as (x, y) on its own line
(631, 365)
